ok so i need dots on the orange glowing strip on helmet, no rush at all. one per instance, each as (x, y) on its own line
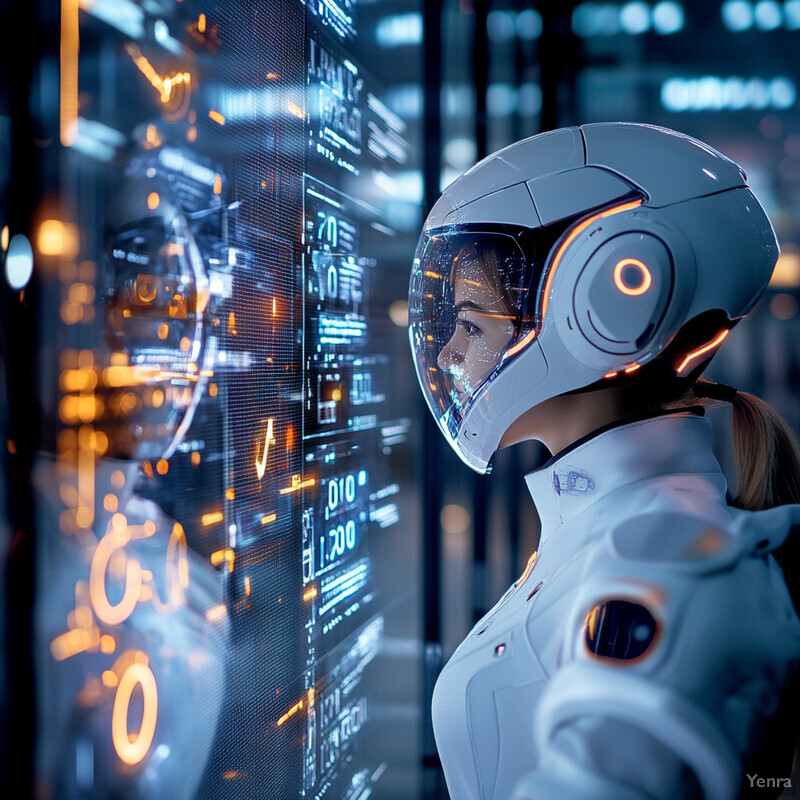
(573, 234)
(704, 349)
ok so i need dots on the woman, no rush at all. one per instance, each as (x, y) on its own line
(571, 289)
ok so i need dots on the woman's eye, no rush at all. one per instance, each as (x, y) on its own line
(469, 328)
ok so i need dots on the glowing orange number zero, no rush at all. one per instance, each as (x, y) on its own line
(132, 749)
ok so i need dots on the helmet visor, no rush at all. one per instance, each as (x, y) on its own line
(470, 299)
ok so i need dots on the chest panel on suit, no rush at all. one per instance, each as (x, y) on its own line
(487, 693)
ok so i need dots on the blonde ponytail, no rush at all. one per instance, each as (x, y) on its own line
(767, 455)
(765, 448)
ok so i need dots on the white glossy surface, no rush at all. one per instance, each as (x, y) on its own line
(511, 706)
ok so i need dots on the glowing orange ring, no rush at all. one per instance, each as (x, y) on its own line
(647, 278)
(132, 749)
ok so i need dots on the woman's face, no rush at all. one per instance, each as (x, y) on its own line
(483, 330)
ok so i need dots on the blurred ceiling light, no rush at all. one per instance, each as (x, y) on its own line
(399, 30)
(398, 313)
(737, 15)
(584, 20)
(783, 93)
(458, 101)
(596, 19)
(57, 238)
(791, 15)
(19, 262)
(529, 100)
(668, 17)
(529, 24)
(634, 18)
(737, 93)
(500, 25)
(455, 519)
(713, 93)
(460, 153)
(768, 15)
(608, 16)
(758, 93)
(405, 100)
(787, 270)
(501, 100)
(783, 306)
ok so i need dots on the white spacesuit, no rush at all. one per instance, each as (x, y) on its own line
(652, 633)
(665, 631)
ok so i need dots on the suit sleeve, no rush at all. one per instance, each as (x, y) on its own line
(677, 650)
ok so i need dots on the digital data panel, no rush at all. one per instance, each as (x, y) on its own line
(228, 543)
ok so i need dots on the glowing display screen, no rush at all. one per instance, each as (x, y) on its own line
(227, 544)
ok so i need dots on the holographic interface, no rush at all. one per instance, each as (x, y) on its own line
(226, 561)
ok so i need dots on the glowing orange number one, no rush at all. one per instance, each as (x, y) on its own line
(269, 438)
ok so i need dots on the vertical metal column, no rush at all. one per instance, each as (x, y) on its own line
(433, 783)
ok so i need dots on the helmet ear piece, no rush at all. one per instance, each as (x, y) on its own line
(616, 288)
(622, 292)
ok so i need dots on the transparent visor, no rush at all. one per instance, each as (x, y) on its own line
(472, 296)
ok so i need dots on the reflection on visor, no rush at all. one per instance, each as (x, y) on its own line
(468, 302)
(155, 297)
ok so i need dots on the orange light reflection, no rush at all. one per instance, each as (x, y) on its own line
(297, 484)
(212, 517)
(114, 540)
(217, 613)
(227, 555)
(292, 711)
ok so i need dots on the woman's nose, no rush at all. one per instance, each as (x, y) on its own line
(449, 356)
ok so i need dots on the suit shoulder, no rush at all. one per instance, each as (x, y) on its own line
(674, 538)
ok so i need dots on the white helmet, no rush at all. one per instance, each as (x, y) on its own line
(577, 259)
